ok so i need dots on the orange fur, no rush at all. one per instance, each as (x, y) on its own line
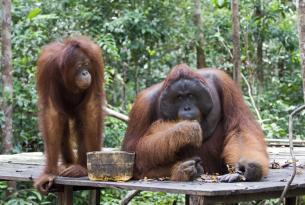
(175, 135)
(65, 110)
(237, 137)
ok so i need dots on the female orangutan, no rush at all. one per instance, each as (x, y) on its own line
(70, 98)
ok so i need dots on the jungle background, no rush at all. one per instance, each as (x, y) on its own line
(141, 42)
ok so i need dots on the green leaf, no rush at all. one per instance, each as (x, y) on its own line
(34, 13)
(37, 195)
(219, 3)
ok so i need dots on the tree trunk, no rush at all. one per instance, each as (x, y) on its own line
(259, 47)
(6, 65)
(197, 19)
(236, 41)
(301, 28)
(124, 94)
(248, 64)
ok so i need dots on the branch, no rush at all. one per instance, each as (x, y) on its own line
(226, 47)
(115, 114)
(129, 196)
(297, 110)
(252, 100)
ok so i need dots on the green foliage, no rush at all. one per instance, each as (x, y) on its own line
(25, 195)
(26, 33)
(141, 41)
(112, 196)
(157, 198)
(114, 132)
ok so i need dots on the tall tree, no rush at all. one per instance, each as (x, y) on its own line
(258, 15)
(301, 26)
(6, 65)
(197, 19)
(236, 41)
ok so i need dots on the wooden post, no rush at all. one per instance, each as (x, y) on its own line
(95, 196)
(194, 200)
(291, 201)
(66, 197)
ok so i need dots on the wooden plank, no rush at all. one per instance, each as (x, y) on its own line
(37, 158)
(22, 167)
(274, 182)
(252, 196)
(286, 151)
(285, 142)
(24, 158)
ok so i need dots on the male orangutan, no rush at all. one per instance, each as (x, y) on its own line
(70, 97)
(195, 121)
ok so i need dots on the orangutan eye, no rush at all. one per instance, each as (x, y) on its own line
(79, 66)
(180, 97)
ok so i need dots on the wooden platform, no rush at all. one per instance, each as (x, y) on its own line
(28, 166)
